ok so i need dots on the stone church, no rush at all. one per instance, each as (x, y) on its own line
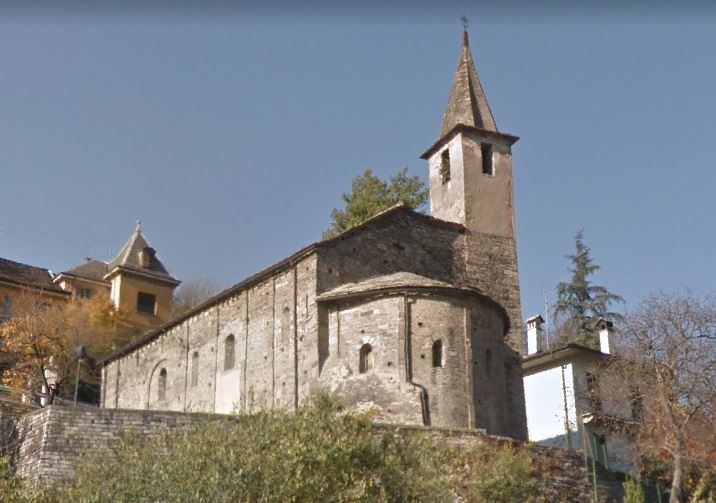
(411, 318)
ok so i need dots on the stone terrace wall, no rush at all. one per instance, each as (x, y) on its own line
(50, 442)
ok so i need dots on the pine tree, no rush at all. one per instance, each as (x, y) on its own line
(580, 303)
(370, 195)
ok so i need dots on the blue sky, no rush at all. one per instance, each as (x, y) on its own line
(232, 133)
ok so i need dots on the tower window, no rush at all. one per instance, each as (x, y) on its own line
(366, 359)
(194, 369)
(162, 385)
(229, 352)
(438, 353)
(146, 302)
(486, 153)
(445, 166)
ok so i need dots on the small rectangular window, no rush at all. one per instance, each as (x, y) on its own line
(445, 166)
(5, 308)
(486, 152)
(146, 303)
(83, 293)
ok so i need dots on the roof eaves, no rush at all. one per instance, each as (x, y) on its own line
(511, 139)
(49, 289)
(216, 299)
(256, 278)
(544, 358)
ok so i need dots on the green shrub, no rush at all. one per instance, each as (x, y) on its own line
(316, 454)
(501, 474)
(633, 491)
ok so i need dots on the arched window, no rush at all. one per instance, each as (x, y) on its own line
(162, 386)
(285, 325)
(229, 352)
(438, 353)
(195, 369)
(366, 359)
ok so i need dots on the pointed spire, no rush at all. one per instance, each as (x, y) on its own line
(467, 103)
(138, 255)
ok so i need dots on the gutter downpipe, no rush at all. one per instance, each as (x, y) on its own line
(424, 399)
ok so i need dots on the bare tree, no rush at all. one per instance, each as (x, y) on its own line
(667, 364)
(193, 291)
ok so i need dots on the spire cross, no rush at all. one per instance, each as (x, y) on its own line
(465, 22)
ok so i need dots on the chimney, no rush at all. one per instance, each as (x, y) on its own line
(605, 328)
(146, 255)
(534, 334)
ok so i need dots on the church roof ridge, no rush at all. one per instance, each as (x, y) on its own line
(278, 266)
(467, 103)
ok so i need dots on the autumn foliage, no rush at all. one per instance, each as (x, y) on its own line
(38, 342)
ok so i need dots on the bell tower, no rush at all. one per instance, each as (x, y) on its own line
(470, 166)
(470, 180)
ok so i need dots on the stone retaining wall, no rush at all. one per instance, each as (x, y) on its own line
(49, 443)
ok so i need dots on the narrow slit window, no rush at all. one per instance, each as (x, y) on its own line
(445, 166)
(229, 352)
(366, 359)
(162, 385)
(486, 152)
(438, 353)
(194, 369)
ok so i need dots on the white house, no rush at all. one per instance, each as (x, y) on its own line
(570, 402)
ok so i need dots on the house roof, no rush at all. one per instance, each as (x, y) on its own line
(91, 269)
(128, 259)
(27, 275)
(558, 356)
(399, 208)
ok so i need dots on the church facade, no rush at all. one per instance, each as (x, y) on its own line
(410, 318)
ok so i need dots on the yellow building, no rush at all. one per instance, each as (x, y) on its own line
(135, 279)
(139, 282)
(18, 279)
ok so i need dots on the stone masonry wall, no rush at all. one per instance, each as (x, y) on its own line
(283, 338)
(273, 325)
(53, 440)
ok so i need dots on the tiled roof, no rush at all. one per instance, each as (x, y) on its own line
(128, 257)
(89, 269)
(398, 209)
(27, 275)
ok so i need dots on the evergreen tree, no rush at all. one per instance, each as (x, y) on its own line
(371, 194)
(580, 303)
